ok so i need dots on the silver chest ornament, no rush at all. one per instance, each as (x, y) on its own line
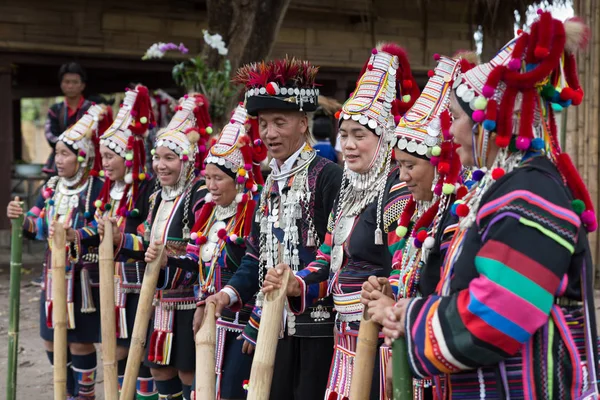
(209, 248)
(340, 235)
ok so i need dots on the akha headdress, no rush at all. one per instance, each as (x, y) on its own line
(187, 135)
(235, 153)
(286, 84)
(516, 94)
(125, 137)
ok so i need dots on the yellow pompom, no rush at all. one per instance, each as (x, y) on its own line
(242, 172)
(98, 203)
(193, 136)
(209, 130)
(143, 120)
(401, 231)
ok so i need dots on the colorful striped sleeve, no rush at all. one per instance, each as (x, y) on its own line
(88, 235)
(313, 278)
(250, 333)
(396, 200)
(34, 226)
(526, 246)
(130, 249)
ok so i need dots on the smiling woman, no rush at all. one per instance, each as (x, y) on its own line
(359, 146)
(167, 166)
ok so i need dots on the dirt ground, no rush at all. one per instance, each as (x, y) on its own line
(34, 377)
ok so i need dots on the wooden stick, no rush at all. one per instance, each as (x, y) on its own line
(107, 313)
(266, 343)
(140, 327)
(364, 360)
(16, 253)
(206, 338)
(59, 311)
(402, 376)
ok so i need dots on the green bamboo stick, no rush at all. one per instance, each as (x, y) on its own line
(15, 294)
(402, 377)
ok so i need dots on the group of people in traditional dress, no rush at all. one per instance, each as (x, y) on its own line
(456, 222)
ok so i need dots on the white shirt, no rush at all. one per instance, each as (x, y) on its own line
(275, 168)
(285, 167)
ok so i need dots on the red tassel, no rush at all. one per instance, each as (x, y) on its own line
(544, 68)
(445, 123)
(160, 346)
(570, 68)
(152, 348)
(250, 206)
(544, 35)
(49, 315)
(492, 81)
(143, 109)
(118, 321)
(527, 111)
(491, 110)
(238, 217)
(573, 180)
(532, 40)
(519, 48)
(504, 121)
(202, 217)
(427, 218)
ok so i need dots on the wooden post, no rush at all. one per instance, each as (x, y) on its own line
(205, 356)
(402, 376)
(266, 343)
(583, 121)
(59, 311)
(140, 327)
(364, 360)
(7, 138)
(107, 313)
(16, 253)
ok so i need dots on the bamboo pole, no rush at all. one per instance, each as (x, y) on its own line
(266, 343)
(107, 313)
(364, 360)
(16, 254)
(140, 327)
(59, 311)
(205, 356)
(402, 376)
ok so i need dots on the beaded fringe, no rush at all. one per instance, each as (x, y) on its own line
(49, 304)
(87, 305)
(161, 340)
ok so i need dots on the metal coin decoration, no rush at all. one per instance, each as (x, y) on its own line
(208, 249)
(340, 235)
(213, 233)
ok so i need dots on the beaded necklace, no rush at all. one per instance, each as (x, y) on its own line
(285, 212)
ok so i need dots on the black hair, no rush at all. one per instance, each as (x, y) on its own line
(72, 68)
(322, 127)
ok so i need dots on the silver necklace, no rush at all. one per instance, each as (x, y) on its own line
(223, 213)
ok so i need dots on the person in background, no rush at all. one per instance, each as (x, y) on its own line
(322, 131)
(63, 115)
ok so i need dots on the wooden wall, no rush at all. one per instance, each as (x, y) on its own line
(332, 33)
(109, 37)
(582, 141)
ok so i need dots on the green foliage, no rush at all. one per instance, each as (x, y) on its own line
(196, 76)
